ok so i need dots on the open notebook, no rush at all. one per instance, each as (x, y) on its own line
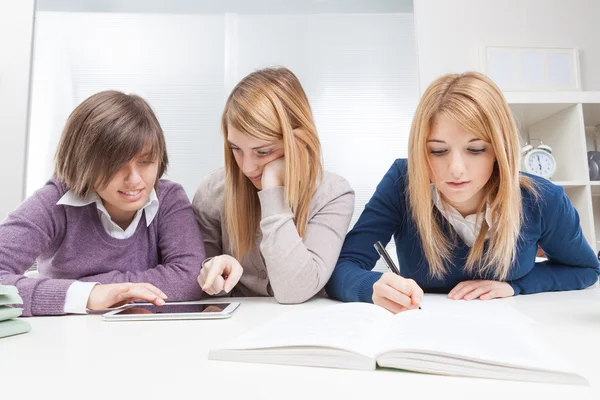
(475, 339)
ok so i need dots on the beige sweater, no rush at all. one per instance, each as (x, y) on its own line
(282, 263)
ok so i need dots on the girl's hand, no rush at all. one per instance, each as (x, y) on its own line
(118, 294)
(484, 290)
(220, 273)
(273, 174)
(396, 294)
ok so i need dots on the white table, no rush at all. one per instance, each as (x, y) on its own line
(85, 358)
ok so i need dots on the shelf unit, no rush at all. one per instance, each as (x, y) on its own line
(566, 121)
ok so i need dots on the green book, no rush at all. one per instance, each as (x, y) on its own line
(9, 295)
(5, 289)
(7, 312)
(12, 327)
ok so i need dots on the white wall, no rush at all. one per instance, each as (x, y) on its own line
(359, 72)
(450, 33)
(175, 62)
(16, 30)
(227, 6)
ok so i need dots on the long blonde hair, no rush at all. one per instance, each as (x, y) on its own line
(474, 102)
(270, 105)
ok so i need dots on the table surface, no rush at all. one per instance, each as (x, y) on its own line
(81, 356)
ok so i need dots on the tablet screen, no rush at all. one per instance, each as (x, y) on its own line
(175, 309)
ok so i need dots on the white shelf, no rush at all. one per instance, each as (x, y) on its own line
(591, 114)
(565, 121)
(595, 189)
(530, 114)
(553, 98)
(572, 183)
(530, 108)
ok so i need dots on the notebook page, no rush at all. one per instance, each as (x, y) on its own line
(353, 327)
(479, 310)
(509, 343)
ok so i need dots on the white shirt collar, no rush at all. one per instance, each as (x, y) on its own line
(467, 227)
(72, 199)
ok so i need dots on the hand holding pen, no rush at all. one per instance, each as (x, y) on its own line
(392, 291)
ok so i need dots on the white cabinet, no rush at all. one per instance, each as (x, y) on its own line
(566, 121)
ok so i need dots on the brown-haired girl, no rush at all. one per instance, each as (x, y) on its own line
(105, 230)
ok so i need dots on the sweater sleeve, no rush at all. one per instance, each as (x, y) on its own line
(353, 278)
(571, 263)
(28, 232)
(299, 267)
(180, 246)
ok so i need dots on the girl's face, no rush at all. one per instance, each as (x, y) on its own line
(251, 155)
(129, 188)
(460, 164)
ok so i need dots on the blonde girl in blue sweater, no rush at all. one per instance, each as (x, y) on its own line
(465, 221)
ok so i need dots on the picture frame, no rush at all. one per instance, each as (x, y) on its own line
(532, 68)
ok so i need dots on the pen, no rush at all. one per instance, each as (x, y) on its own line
(386, 257)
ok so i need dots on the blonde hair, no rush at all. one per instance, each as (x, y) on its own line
(474, 102)
(103, 133)
(270, 105)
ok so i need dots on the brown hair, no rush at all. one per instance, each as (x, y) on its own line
(270, 105)
(103, 133)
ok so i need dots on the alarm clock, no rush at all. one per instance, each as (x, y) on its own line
(538, 160)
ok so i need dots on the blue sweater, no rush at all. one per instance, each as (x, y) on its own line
(550, 222)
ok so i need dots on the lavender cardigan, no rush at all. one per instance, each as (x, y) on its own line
(71, 244)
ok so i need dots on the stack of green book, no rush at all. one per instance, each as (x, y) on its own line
(9, 324)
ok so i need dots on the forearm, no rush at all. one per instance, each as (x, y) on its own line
(572, 264)
(349, 282)
(23, 237)
(299, 267)
(295, 274)
(178, 280)
(547, 277)
(40, 296)
(383, 216)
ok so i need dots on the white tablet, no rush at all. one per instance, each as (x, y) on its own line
(182, 310)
